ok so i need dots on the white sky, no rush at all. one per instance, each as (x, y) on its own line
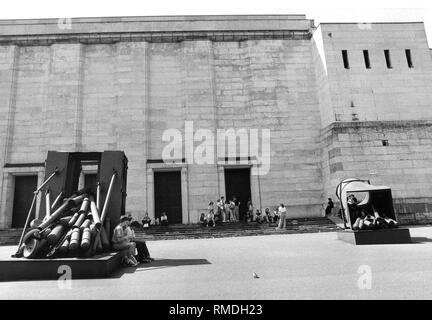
(320, 11)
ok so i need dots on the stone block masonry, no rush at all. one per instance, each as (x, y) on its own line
(119, 83)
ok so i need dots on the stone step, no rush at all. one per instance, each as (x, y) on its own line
(11, 236)
(234, 229)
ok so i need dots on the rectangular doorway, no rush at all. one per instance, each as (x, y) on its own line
(23, 197)
(168, 198)
(237, 183)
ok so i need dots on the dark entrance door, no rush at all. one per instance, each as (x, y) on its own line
(237, 183)
(23, 196)
(167, 187)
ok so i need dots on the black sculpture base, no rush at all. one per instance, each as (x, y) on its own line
(99, 266)
(383, 236)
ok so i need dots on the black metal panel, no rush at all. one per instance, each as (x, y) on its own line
(368, 237)
(114, 161)
(60, 161)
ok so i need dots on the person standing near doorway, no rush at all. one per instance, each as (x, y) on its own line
(249, 215)
(236, 209)
(329, 207)
(227, 211)
(282, 217)
(221, 206)
(231, 207)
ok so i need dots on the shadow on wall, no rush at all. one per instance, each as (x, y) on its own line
(159, 264)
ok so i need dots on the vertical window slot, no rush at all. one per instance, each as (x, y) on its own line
(409, 58)
(366, 59)
(388, 59)
(345, 59)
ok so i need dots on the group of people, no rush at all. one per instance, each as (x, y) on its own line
(147, 221)
(221, 211)
(123, 239)
(367, 217)
(228, 211)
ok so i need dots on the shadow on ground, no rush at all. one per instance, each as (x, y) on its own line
(160, 264)
(420, 239)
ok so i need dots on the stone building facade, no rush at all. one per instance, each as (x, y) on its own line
(93, 84)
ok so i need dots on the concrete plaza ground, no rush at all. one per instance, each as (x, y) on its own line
(295, 266)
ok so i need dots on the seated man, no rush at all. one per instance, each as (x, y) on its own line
(352, 206)
(275, 216)
(146, 221)
(143, 255)
(267, 216)
(122, 242)
(164, 219)
(211, 215)
(258, 218)
(203, 220)
(354, 213)
(217, 218)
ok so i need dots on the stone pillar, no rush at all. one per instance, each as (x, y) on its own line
(199, 95)
(9, 56)
(132, 80)
(150, 194)
(64, 108)
(185, 197)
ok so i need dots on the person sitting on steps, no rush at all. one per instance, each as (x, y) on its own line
(210, 215)
(146, 221)
(258, 217)
(143, 255)
(203, 220)
(164, 219)
(267, 216)
(121, 242)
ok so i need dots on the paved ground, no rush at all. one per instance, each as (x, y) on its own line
(299, 266)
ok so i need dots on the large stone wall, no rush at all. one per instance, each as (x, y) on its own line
(378, 93)
(368, 106)
(95, 97)
(327, 123)
(272, 84)
(355, 150)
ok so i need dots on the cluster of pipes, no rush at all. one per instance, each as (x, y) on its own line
(76, 227)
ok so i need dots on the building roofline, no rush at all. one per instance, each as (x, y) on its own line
(387, 22)
(157, 18)
(155, 28)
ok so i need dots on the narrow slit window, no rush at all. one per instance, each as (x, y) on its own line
(366, 59)
(388, 60)
(345, 59)
(409, 58)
